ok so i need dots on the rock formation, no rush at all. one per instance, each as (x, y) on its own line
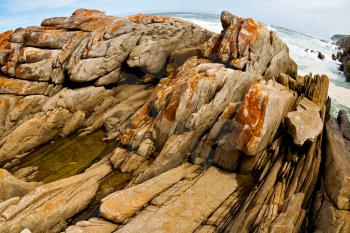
(344, 55)
(180, 130)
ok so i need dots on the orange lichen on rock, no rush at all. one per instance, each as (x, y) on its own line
(253, 130)
(146, 19)
(251, 25)
(88, 13)
(229, 111)
(4, 37)
(251, 116)
(249, 33)
(170, 109)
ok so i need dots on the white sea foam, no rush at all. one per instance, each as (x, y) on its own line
(304, 51)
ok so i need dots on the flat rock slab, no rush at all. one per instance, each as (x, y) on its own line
(304, 126)
(93, 225)
(51, 204)
(122, 205)
(191, 208)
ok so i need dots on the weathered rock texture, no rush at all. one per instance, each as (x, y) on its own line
(331, 210)
(42, 67)
(204, 132)
(344, 55)
(248, 45)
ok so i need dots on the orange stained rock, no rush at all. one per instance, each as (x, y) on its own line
(236, 62)
(2, 174)
(66, 50)
(170, 109)
(115, 26)
(228, 46)
(251, 25)
(96, 24)
(227, 113)
(249, 33)
(4, 43)
(87, 13)
(48, 207)
(141, 114)
(142, 18)
(251, 116)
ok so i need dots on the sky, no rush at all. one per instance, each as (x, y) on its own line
(322, 18)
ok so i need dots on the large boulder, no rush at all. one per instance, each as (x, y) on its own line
(262, 111)
(337, 167)
(250, 46)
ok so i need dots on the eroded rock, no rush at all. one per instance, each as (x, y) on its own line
(260, 115)
(12, 187)
(49, 204)
(304, 124)
(248, 45)
(122, 205)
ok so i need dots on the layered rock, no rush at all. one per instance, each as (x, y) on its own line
(344, 55)
(49, 205)
(331, 210)
(206, 132)
(248, 45)
(180, 110)
(260, 115)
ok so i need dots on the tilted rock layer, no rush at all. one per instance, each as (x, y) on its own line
(204, 132)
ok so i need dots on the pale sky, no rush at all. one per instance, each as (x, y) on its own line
(321, 18)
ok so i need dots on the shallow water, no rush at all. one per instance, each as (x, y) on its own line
(68, 156)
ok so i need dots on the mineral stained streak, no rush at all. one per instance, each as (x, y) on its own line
(203, 132)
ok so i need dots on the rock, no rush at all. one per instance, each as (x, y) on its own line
(184, 112)
(344, 124)
(337, 37)
(344, 42)
(117, 207)
(347, 67)
(254, 130)
(13, 187)
(23, 87)
(75, 122)
(316, 88)
(304, 124)
(320, 56)
(93, 225)
(38, 210)
(197, 96)
(248, 45)
(288, 220)
(66, 112)
(194, 205)
(330, 219)
(26, 230)
(337, 167)
(307, 105)
(91, 46)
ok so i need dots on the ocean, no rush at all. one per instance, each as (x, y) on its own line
(303, 49)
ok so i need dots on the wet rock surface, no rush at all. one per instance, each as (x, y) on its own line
(153, 124)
